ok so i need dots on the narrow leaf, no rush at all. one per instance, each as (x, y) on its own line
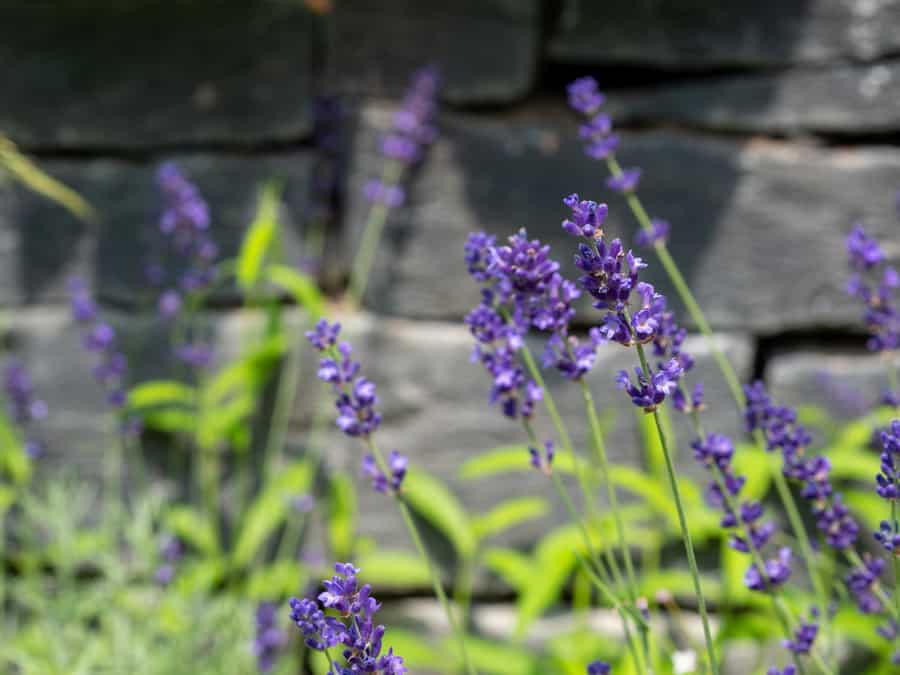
(161, 393)
(507, 515)
(432, 500)
(513, 567)
(302, 288)
(194, 528)
(258, 240)
(394, 569)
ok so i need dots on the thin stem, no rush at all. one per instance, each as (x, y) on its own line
(603, 461)
(371, 236)
(685, 531)
(462, 590)
(281, 412)
(416, 537)
(728, 373)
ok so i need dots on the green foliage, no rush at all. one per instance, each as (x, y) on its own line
(434, 502)
(507, 515)
(261, 236)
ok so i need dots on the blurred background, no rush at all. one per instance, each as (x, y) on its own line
(764, 131)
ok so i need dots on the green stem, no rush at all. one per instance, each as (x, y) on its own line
(685, 531)
(603, 461)
(416, 537)
(462, 590)
(281, 412)
(728, 373)
(371, 236)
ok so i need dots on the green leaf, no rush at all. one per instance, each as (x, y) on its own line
(757, 466)
(200, 576)
(432, 500)
(488, 656)
(652, 490)
(30, 175)
(7, 498)
(170, 420)
(162, 393)
(269, 510)
(854, 466)
(418, 654)
(513, 567)
(216, 426)
(394, 569)
(278, 579)
(507, 515)
(14, 461)
(341, 516)
(258, 240)
(867, 505)
(193, 527)
(505, 459)
(554, 559)
(301, 287)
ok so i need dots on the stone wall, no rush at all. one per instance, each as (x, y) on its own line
(764, 133)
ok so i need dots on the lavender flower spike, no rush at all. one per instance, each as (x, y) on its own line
(353, 629)
(270, 639)
(23, 405)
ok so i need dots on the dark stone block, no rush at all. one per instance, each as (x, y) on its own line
(487, 50)
(138, 74)
(758, 228)
(699, 34)
(842, 99)
(47, 245)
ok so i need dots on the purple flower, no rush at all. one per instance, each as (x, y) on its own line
(270, 639)
(584, 95)
(627, 181)
(587, 217)
(302, 503)
(599, 668)
(777, 571)
(169, 304)
(782, 432)
(171, 550)
(789, 669)
(649, 392)
(353, 629)
(396, 464)
(542, 461)
(391, 196)
(23, 405)
(196, 355)
(861, 582)
(681, 402)
(874, 283)
(658, 232)
(804, 635)
(888, 536)
(355, 397)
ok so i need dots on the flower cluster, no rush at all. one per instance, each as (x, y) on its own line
(599, 668)
(634, 313)
(353, 627)
(269, 639)
(782, 432)
(542, 461)
(805, 634)
(185, 220)
(716, 452)
(874, 282)
(23, 405)
(861, 583)
(355, 400)
(100, 339)
(887, 480)
(396, 466)
(355, 395)
(171, 550)
(411, 132)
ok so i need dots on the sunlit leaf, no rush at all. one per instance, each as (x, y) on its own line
(341, 513)
(30, 175)
(513, 567)
(394, 569)
(269, 509)
(433, 501)
(302, 288)
(509, 514)
(194, 528)
(161, 393)
(259, 238)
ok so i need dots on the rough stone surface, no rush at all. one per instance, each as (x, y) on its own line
(138, 74)
(487, 50)
(845, 384)
(434, 402)
(699, 34)
(848, 99)
(41, 245)
(771, 217)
